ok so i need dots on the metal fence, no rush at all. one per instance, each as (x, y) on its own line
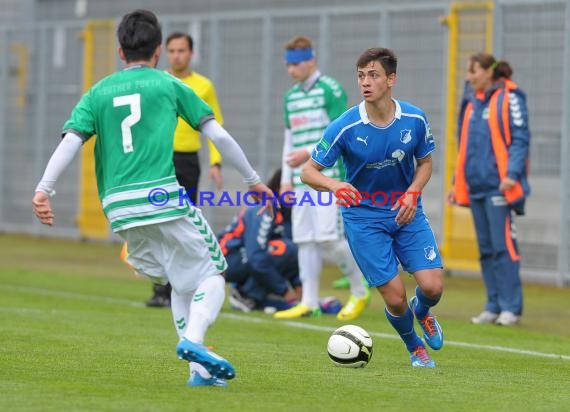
(41, 79)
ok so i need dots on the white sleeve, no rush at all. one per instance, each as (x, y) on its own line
(60, 159)
(230, 150)
(286, 171)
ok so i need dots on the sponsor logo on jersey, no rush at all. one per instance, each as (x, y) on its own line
(363, 140)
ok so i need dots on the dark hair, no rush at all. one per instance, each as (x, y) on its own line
(139, 35)
(274, 182)
(180, 35)
(501, 68)
(386, 57)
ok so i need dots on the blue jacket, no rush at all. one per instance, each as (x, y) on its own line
(493, 148)
(262, 238)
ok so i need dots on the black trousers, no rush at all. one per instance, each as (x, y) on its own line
(187, 168)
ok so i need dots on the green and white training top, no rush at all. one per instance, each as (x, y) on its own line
(134, 113)
(309, 108)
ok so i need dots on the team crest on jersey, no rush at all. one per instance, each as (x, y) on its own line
(405, 136)
(430, 253)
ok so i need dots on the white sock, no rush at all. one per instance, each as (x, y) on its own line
(180, 306)
(204, 308)
(338, 252)
(310, 266)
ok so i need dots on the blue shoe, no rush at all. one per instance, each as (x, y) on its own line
(433, 334)
(217, 366)
(420, 358)
(197, 380)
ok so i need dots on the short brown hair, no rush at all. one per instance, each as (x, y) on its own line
(299, 42)
(386, 57)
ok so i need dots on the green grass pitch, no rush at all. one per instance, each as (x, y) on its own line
(75, 336)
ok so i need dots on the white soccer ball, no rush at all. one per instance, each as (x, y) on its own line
(350, 346)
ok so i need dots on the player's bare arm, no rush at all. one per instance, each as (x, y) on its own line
(297, 157)
(311, 175)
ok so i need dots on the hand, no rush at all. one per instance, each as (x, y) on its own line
(216, 176)
(451, 197)
(507, 184)
(346, 194)
(291, 296)
(270, 200)
(42, 208)
(408, 205)
(297, 157)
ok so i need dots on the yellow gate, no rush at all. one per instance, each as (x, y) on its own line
(470, 31)
(98, 61)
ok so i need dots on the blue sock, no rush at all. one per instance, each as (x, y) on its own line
(404, 325)
(423, 304)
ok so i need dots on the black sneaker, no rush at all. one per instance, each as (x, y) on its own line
(160, 297)
(240, 301)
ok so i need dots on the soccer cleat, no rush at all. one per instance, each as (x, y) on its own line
(298, 311)
(433, 334)
(507, 319)
(354, 307)
(241, 302)
(420, 358)
(484, 317)
(217, 366)
(160, 297)
(198, 380)
(341, 283)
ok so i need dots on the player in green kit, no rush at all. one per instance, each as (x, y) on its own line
(134, 113)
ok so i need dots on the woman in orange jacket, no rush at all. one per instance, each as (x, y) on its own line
(491, 179)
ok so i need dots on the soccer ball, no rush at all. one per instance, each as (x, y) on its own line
(350, 346)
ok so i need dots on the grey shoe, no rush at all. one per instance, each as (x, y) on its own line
(485, 317)
(240, 301)
(507, 319)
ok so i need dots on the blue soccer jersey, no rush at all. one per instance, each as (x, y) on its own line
(379, 161)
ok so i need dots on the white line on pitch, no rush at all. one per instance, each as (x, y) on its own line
(245, 318)
(495, 348)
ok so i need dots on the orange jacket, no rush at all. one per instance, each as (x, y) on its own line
(499, 126)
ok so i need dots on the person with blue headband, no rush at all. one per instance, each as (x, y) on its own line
(310, 105)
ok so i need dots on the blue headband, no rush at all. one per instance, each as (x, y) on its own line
(295, 56)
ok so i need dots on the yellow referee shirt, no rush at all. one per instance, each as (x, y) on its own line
(187, 139)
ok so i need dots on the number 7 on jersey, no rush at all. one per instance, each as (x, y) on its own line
(134, 103)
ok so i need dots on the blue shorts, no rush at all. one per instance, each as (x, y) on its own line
(379, 245)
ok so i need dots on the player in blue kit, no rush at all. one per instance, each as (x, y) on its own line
(379, 141)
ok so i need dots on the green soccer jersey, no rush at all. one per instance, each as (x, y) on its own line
(309, 112)
(134, 113)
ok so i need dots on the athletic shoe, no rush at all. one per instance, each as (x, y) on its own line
(298, 311)
(217, 366)
(420, 358)
(433, 334)
(198, 380)
(342, 283)
(241, 302)
(485, 317)
(160, 297)
(354, 307)
(507, 319)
